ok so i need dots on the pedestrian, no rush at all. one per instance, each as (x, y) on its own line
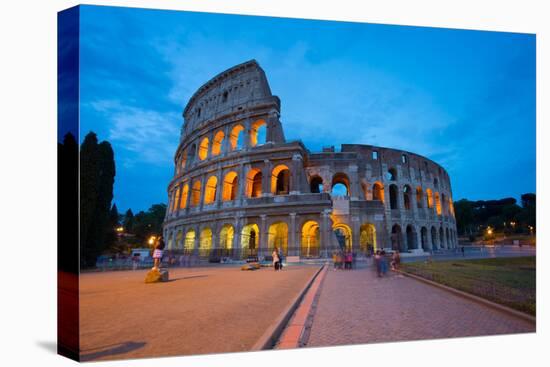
(348, 260)
(281, 258)
(275, 256)
(335, 260)
(395, 260)
(157, 253)
(378, 263)
(135, 260)
(383, 262)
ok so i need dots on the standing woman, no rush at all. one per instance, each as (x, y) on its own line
(275, 256)
(157, 252)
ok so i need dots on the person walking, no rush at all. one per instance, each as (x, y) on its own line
(275, 256)
(383, 262)
(378, 263)
(157, 253)
(395, 260)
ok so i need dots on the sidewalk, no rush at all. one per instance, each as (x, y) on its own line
(357, 307)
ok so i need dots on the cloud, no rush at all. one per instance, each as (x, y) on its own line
(146, 136)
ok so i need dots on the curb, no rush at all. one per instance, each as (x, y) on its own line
(270, 336)
(471, 297)
(294, 331)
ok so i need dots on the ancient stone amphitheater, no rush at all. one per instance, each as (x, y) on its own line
(240, 189)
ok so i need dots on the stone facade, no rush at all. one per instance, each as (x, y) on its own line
(240, 188)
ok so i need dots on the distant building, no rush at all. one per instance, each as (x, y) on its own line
(240, 188)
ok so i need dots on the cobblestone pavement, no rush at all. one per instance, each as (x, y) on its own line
(201, 310)
(357, 307)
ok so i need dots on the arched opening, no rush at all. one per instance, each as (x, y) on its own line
(340, 185)
(170, 242)
(441, 238)
(437, 204)
(378, 191)
(367, 238)
(391, 175)
(429, 198)
(310, 239)
(407, 197)
(210, 190)
(411, 238)
(278, 237)
(280, 180)
(227, 234)
(230, 186)
(184, 194)
(203, 149)
(451, 207)
(396, 238)
(179, 238)
(236, 137)
(419, 196)
(436, 182)
(343, 236)
(217, 143)
(177, 196)
(205, 242)
(254, 183)
(444, 210)
(189, 244)
(316, 184)
(258, 132)
(424, 238)
(448, 238)
(196, 193)
(393, 197)
(250, 239)
(435, 243)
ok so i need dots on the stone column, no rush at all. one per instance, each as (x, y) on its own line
(296, 167)
(262, 246)
(354, 182)
(242, 184)
(203, 189)
(356, 233)
(325, 238)
(266, 178)
(247, 135)
(219, 189)
(292, 248)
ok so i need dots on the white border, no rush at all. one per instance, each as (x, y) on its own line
(28, 85)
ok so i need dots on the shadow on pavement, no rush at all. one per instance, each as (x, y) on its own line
(110, 350)
(49, 345)
(188, 277)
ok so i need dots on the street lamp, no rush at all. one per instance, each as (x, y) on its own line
(152, 240)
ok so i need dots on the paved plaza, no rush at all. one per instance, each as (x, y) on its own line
(356, 307)
(201, 310)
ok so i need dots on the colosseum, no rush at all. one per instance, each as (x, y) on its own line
(240, 188)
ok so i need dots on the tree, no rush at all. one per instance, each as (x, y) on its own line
(97, 173)
(464, 214)
(529, 209)
(149, 223)
(128, 221)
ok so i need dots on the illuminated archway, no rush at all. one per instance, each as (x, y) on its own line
(183, 161)
(437, 204)
(407, 197)
(258, 133)
(179, 238)
(235, 138)
(189, 244)
(203, 149)
(310, 239)
(429, 198)
(278, 237)
(196, 193)
(254, 183)
(205, 241)
(250, 239)
(280, 180)
(378, 191)
(419, 195)
(230, 186)
(367, 238)
(175, 204)
(210, 190)
(343, 236)
(227, 234)
(217, 143)
(184, 194)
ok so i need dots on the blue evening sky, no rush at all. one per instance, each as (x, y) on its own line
(465, 99)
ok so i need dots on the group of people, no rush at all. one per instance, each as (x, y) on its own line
(343, 260)
(381, 262)
(277, 259)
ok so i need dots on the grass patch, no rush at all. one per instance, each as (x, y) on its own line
(508, 281)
